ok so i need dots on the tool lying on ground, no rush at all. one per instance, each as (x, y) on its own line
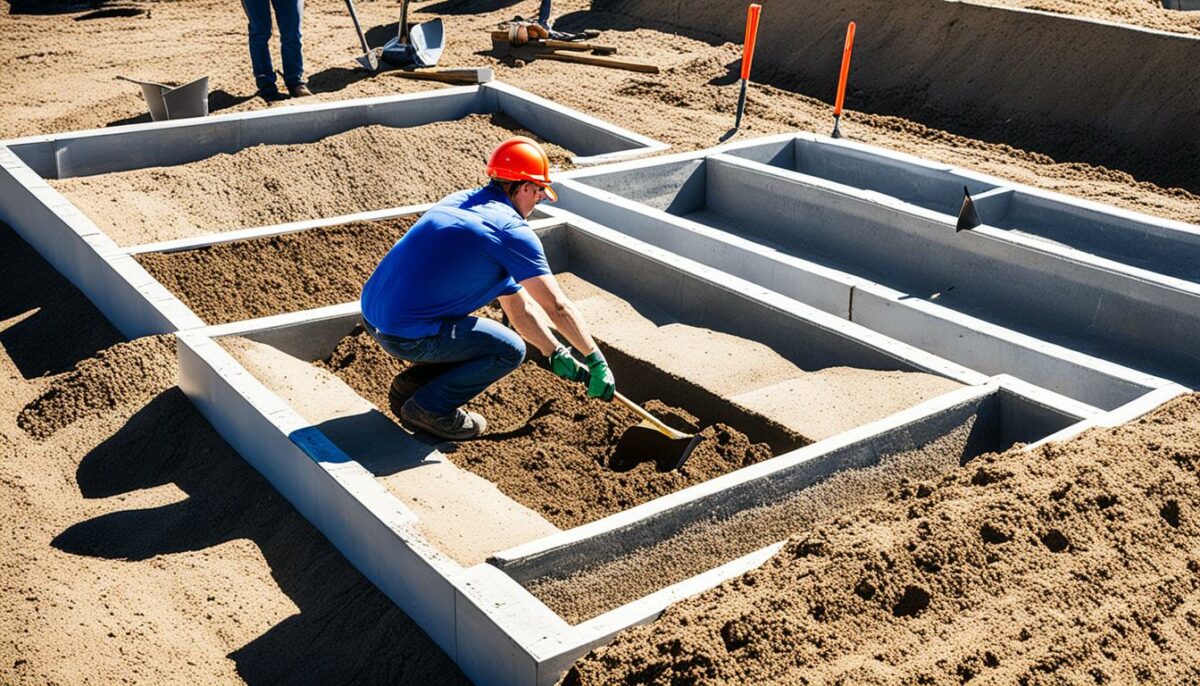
(752, 14)
(368, 60)
(596, 49)
(841, 91)
(566, 52)
(459, 76)
(652, 438)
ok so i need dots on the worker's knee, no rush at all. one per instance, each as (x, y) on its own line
(515, 355)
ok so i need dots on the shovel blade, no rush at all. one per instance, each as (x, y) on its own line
(429, 39)
(368, 61)
(642, 443)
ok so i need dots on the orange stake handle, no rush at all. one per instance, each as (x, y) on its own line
(751, 36)
(841, 94)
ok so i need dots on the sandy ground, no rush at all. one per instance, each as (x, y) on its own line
(231, 282)
(137, 546)
(1075, 563)
(1148, 14)
(548, 445)
(140, 548)
(370, 168)
(463, 515)
(816, 404)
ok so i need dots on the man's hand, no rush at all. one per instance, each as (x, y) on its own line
(600, 382)
(564, 364)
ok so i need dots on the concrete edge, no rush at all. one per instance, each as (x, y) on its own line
(912, 356)
(1116, 417)
(754, 472)
(116, 284)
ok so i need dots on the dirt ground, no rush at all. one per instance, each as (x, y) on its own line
(139, 548)
(228, 282)
(1073, 563)
(364, 169)
(548, 445)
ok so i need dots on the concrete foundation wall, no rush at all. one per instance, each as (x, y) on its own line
(168, 143)
(1001, 415)
(1074, 88)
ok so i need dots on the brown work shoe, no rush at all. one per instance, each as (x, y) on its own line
(299, 91)
(459, 426)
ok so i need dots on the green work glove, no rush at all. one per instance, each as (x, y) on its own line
(600, 382)
(564, 364)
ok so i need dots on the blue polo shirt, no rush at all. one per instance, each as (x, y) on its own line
(470, 248)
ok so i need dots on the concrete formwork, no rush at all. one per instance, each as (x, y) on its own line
(980, 71)
(875, 243)
(481, 616)
(119, 287)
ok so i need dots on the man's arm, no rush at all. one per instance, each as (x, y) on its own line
(528, 319)
(544, 290)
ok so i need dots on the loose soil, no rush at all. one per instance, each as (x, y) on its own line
(132, 601)
(1075, 562)
(548, 444)
(707, 545)
(138, 547)
(230, 282)
(369, 168)
(1149, 14)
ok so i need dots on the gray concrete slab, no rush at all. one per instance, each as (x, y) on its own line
(1101, 308)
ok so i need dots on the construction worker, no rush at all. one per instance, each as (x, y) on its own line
(471, 248)
(288, 14)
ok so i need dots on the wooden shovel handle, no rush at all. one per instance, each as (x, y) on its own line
(649, 418)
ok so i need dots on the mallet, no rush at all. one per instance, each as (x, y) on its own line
(747, 58)
(841, 92)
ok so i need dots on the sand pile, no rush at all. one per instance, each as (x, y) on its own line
(368, 168)
(127, 373)
(697, 549)
(298, 271)
(138, 546)
(1074, 562)
(548, 444)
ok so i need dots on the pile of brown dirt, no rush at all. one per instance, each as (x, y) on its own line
(138, 546)
(709, 544)
(368, 168)
(127, 373)
(1073, 562)
(548, 445)
(230, 282)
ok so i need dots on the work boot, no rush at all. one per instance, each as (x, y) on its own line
(299, 91)
(271, 94)
(459, 426)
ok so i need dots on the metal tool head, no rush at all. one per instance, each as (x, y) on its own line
(429, 40)
(643, 443)
(368, 61)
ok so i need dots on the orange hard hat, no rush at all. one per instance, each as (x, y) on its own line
(522, 159)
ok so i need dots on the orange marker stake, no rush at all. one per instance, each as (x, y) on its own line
(747, 58)
(841, 92)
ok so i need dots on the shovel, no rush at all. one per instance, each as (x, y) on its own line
(368, 60)
(652, 438)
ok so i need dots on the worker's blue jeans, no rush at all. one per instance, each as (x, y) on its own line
(485, 350)
(288, 14)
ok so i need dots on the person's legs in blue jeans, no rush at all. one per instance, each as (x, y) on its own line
(258, 14)
(486, 351)
(289, 13)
